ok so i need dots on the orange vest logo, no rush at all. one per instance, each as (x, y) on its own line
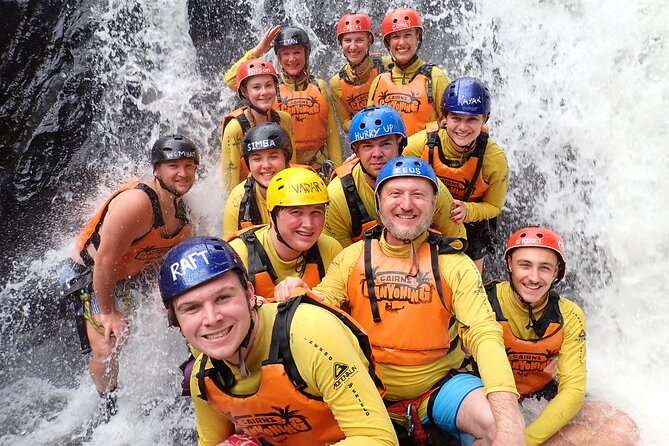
(301, 106)
(357, 102)
(455, 187)
(396, 288)
(524, 363)
(273, 424)
(151, 253)
(402, 102)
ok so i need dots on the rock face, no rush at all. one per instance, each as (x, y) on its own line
(48, 99)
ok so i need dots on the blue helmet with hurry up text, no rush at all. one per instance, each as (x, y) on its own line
(374, 121)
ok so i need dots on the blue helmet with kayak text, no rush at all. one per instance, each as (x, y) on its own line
(466, 95)
(194, 262)
(374, 121)
(406, 166)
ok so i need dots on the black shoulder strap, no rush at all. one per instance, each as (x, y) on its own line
(378, 64)
(248, 208)
(312, 80)
(258, 259)
(425, 70)
(551, 314)
(491, 291)
(155, 204)
(343, 75)
(220, 370)
(279, 352)
(356, 207)
(372, 234)
(275, 116)
(433, 142)
(243, 122)
(313, 256)
(479, 152)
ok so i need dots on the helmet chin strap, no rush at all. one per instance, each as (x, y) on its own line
(354, 66)
(532, 320)
(278, 234)
(267, 113)
(243, 369)
(173, 192)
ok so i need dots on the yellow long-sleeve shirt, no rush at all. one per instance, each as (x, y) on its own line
(479, 332)
(312, 331)
(495, 172)
(333, 149)
(571, 370)
(402, 76)
(335, 88)
(231, 147)
(231, 215)
(338, 222)
(327, 246)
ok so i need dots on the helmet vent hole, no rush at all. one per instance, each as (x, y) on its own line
(378, 122)
(540, 235)
(362, 126)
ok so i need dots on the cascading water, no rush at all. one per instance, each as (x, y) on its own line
(577, 88)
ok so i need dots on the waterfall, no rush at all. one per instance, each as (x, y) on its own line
(578, 88)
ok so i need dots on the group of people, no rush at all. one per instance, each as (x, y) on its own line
(343, 303)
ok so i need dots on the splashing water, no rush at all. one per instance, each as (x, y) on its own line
(577, 92)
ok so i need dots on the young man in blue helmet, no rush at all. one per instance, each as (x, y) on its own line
(472, 166)
(405, 285)
(289, 374)
(377, 135)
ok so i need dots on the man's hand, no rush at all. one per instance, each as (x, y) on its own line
(458, 211)
(509, 421)
(284, 289)
(266, 42)
(115, 324)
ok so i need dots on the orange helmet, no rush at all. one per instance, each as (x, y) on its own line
(354, 22)
(399, 20)
(254, 67)
(538, 237)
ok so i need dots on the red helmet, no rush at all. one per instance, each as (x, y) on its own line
(538, 237)
(399, 20)
(354, 22)
(254, 67)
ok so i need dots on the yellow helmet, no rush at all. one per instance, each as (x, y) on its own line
(296, 186)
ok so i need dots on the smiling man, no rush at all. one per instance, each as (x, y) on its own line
(544, 335)
(134, 228)
(377, 135)
(290, 374)
(293, 243)
(405, 286)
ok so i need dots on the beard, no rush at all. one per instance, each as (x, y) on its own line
(409, 232)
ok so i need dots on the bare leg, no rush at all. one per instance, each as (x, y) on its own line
(104, 360)
(598, 423)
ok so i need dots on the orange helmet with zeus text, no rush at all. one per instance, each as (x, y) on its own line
(354, 23)
(254, 67)
(538, 237)
(400, 20)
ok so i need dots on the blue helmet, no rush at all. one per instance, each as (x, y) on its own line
(193, 262)
(466, 95)
(406, 166)
(374, 121)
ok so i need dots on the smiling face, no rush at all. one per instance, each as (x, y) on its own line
(355, 46)
(292, 59)
(260, 91)
(215, 316)
(264, 164)
(177, 175)
(464, 129)
(403, 45)
(533, 271)
(374, 153)
(300, 226)
(406, 207)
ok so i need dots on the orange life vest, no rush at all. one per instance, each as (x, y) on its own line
(279, 411)
(245, 124)
(529, 357)
(413, 100)
(309, 113)
(354, 95)
(408, 302)
(361, 222)
(464, 182)
(261, 272)
(147, 249)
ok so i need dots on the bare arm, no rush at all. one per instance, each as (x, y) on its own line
(509, 421)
